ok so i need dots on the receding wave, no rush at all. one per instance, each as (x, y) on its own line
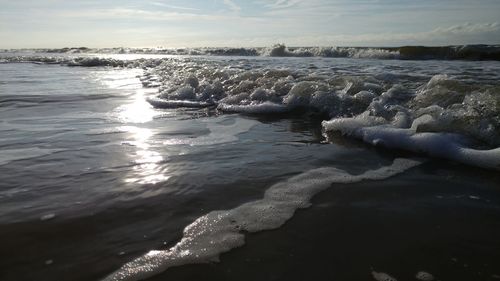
(461, 52)
(220, 231)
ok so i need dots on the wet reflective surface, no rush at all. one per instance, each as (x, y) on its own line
(92, 176)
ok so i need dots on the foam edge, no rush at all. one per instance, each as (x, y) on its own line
(220, 231)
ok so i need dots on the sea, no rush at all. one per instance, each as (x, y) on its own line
(313, 163)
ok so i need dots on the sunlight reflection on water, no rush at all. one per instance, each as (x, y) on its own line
(148, 168)
(136, 110)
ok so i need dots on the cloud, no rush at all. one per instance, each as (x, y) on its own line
(461, 34)
(467, 28)
(232, 6)
(466, 33)
(140, 14)
(173, 6)
(252, 22)
(281, 4)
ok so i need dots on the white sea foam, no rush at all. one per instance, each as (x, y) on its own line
(280, 50)
(255, 108)
(436, 144)
(163, 103)
(220, 231)
(442, 111)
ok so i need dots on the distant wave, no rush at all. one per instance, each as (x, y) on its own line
(463, 52)
(68, 61)
(466, 52)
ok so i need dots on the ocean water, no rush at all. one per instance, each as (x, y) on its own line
(182, 167)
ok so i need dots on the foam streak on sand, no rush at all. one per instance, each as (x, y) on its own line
(220, 231)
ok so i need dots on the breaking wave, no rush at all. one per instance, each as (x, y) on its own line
(462, 52)
(385, 109)
(444, 117)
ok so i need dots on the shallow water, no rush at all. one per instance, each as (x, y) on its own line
(93, 176)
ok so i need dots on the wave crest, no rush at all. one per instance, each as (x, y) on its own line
(461, 52)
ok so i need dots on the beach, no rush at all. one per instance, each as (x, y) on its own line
(272, 164)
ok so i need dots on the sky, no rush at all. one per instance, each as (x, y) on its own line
(246, 23)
